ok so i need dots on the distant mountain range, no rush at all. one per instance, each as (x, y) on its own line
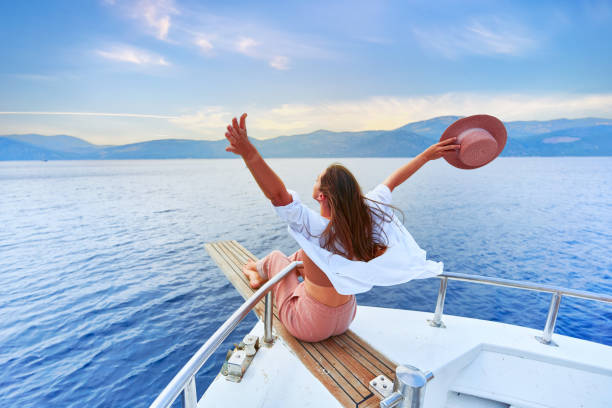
(560, 137)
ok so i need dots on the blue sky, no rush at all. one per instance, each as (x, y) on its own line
(115, 72)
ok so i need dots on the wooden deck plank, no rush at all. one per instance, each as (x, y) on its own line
(235, 250)
(237, 262)
(235, 279)
(227, 267)
(344, 364)
(243, 250)
(373, 401)
(368, 362)
(380, 358)
(354, 381)
(359, 370)
(333, 373)
(356, 353)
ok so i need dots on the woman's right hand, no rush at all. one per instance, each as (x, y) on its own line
(239, 141)
(267, 180)
(438, 150)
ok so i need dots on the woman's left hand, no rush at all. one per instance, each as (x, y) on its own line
(237, 136)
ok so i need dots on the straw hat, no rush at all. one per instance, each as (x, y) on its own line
(482, 139)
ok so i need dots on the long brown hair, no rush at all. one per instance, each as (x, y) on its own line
(350, 232)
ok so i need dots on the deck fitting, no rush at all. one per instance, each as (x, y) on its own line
(239, 359)
(382, 385)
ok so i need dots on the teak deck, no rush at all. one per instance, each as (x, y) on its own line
(344, 364)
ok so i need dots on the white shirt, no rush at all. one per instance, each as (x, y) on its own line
(403, 260)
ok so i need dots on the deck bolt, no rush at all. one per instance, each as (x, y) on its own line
(374, 383)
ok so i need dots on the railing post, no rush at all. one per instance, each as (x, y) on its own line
(190, 397)
(268, 318)
(437, 320)
(408, 388)
(551, 319)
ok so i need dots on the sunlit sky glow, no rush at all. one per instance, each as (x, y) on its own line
(115, 72)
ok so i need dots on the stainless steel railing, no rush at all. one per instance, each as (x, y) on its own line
(184, 382)
(553, 311)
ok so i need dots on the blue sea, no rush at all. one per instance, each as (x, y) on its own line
(106, 289)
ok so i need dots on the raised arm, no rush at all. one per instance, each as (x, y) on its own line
(269, 183)
(433, 152)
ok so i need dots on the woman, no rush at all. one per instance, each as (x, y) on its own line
(354, 243)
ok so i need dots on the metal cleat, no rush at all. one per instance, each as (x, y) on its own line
(238, 360)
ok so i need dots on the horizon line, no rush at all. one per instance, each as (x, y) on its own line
(147, 116)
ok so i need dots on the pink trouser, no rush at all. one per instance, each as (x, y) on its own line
(305, 318)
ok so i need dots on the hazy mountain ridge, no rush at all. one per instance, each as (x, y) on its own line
(14, 150)
(58, 142)
(560, 137)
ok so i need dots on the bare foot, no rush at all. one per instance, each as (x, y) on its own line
(250, 270)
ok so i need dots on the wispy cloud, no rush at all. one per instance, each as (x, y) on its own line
(204, 44)
(246, 45)
(132, 55)
(487, 36)
(209, 120)
(35, 77)
(498, 39)
(213, 34)
(154, 15)
(280, 62)
(157, 14)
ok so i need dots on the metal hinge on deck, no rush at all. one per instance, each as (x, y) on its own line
(238, 360)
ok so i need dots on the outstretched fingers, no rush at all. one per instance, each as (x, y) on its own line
(238, 132)
(229, 138)
(236, 135)
(447, 141)
(230, 135)
(236, 126)
(450, 147)
(445, 144)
